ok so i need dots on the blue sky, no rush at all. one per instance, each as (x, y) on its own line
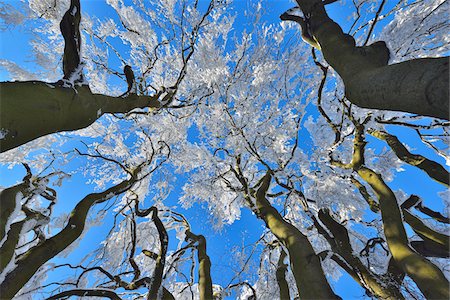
(247, 230)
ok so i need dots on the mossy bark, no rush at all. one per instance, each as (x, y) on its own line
(418, 86)
(305, 264)
(429, 278)
(432, 168)
(32, 109)
(341, 245)
(204, 271)
(281, 276)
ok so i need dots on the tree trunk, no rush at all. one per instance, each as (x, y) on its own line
(419, 86)
(204, 271)
(429, 278)
(281, 276)
(33, 109)
(305, 264)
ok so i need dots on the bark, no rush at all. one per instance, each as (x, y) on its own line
(33, 109)
(429, 249)
(155, 286)
(394, 272)
(167, 295)
(281, 276)
(429, 278)
(363, 191)
(8, 199)
(204, 267)
(70, 30)
(10, 237)
(432, 168)
(204, 271)
(102, 293)
(419, 86)
(33, 259)
(305, 264)
(9, 245)
(341, 245)
(416, 202)
(15, 231)
(426, 233)
(154, 283)
(8, 204)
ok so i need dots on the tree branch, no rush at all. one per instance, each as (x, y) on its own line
(305, 264)
(33, 109)
(35, 257)
(432, 168)
(418, 86)
(86, 292)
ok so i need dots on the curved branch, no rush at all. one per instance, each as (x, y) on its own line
(35, 257)
(86, 292)
(33, 109)
(429, 278)
(432, 168)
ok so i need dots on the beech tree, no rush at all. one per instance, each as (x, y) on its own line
(233, 117)
(418, 86)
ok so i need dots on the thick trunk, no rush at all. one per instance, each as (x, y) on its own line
(305, 264)
(365, 277)
(419, 86)
(429, 278)
(33, 109)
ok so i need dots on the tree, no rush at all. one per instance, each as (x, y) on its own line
(417, 86)
(238, 119)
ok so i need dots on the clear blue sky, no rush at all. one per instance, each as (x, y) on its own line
(243, 232)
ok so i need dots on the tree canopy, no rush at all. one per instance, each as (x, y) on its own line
(143, 130)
